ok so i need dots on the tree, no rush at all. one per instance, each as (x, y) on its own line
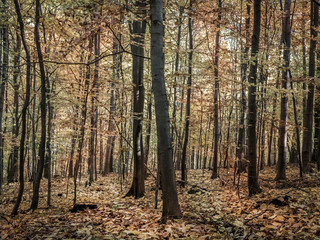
(3, 82)
(171, 206)
(43, 108)
(308, 113)
(188, 104)
(253, 184)
(137, 30)
(216, 95)
(286, 42)
(24, 109)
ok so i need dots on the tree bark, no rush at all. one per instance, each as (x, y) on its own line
(308, 114)
(43, 108)
(3, 83)
(138, 29)
(216, 96)
(253, 184)
(171, 206)
(188, 104)
(286, 42)
(24, 109)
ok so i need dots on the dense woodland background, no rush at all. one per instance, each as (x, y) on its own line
(150, 92)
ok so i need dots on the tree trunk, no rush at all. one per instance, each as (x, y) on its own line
(108, 167)
(94, 109)
(3, 83)
(286, 41)
(14, 155)
(253, 184)
(148, 134)
(174, 111)
(171, 206)
(138, 29)
(43, 108)
(216, 96)
(308, 114)
(83, 119)
(244, 67)
(188, 104)
(24, 109)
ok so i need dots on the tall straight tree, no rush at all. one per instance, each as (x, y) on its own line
(108, 167)
(3, 80)
(138, 29)
(24, 109)
(170, 205)
(286, 42)
(43, 108)
(187, 123)
(253, 184)
(216, 96)
(244, 68)
(14, 155)
(308, 113)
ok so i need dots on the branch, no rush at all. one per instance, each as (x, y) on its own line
(316, 2)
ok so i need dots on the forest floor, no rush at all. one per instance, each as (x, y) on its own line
(212, 209)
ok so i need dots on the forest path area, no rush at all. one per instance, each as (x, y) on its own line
(212, 209)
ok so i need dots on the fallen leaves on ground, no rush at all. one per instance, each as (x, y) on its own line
(212, 209)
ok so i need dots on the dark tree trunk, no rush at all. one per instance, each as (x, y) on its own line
(244, 67)
(188, 104)
(83, 119)
(174, 111)
(286, 41)
(253, 184)
(148, 134)
(308, 114)
(170, 205)
(108, 167)
(3, 83)
(94, 109)
(216, 96)
(14, 155)
(138, 29)
(24, 109)
(43, 108)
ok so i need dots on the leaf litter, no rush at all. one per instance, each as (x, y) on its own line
(212, 209)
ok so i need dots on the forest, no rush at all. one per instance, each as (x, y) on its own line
(159, 119)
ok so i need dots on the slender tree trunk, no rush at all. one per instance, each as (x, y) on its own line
(216, 96)
(108, 167)
(83, 119)
(14, 155)
(148, 134)
(308, 114)
(94, 109)
(187, 123)
(34, 126)
(24, 109)
(176, 69)
(170, 205)
(244, 67)
(3, 83)
(43, 108)
(286, 41)
(253, 184)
